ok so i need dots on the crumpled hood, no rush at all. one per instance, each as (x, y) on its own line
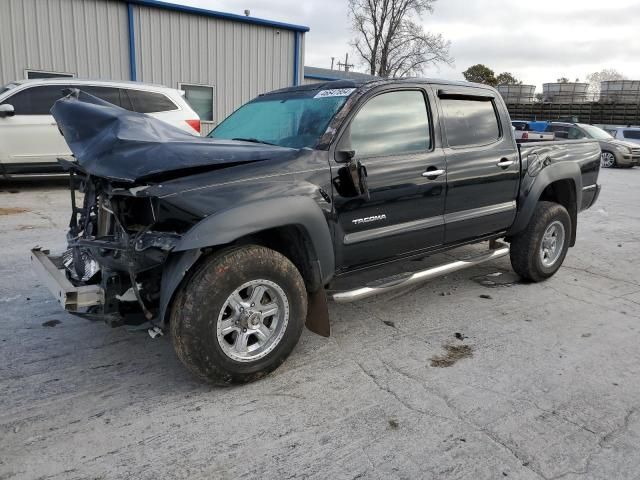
(111, 142)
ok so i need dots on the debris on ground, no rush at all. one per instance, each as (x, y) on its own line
(454, 353)
(155, 332)
(389, 323)
(393, 423)
(460, 336)
(485, 296)
(586, 335)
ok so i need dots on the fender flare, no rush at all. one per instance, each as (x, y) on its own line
(531, 191)
(227, 226)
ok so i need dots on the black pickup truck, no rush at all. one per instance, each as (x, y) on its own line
(233, 242)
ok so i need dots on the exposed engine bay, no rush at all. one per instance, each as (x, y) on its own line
(120, 242)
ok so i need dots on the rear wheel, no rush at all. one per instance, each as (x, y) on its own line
(607, 160)
(239, 316)
(538, 251)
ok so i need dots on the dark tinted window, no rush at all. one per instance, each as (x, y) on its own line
(150, 102)
(391, 123)
(36, 100)
(575, 133)
(635, 134)
(35, 74)
(470, 122)
(108, 94)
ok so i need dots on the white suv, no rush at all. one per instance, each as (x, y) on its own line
(30, 142)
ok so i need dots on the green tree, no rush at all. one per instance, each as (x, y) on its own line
(506, 78)
(480, 74)
(563, 80)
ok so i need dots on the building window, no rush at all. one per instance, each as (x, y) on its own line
(43, 74)
(200, 97)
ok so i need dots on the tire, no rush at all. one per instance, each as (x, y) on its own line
(607, 160)
(532, 255)
(219, 328)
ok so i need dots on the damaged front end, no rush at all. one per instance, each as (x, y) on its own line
(118, 241)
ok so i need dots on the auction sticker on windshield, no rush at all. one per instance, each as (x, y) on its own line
(335, 92)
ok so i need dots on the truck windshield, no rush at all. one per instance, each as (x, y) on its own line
(596, 133)
(293, 121)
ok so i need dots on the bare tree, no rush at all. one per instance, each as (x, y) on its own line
(595, 78)
(390, 40)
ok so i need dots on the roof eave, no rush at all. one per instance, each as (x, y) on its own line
(221, 15)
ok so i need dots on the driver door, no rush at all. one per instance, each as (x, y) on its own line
(392, 134)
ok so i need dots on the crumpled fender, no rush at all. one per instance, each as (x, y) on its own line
(227, 226)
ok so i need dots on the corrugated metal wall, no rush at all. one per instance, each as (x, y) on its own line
(309, 81)
(85, 37)
(241, 60)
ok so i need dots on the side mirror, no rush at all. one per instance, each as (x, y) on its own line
(344, 156)
(353, 176)
(7, 110)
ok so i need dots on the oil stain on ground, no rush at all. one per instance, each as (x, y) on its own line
(452, 355)
(12, 210)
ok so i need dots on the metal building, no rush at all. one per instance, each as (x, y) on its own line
(221, 60)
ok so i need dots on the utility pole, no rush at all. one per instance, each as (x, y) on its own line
(332, 60)
(346, 65)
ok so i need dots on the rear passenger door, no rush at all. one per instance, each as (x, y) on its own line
(483, 166)
(31, 136)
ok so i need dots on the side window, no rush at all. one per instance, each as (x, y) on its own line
(470, 122)
(36, 100)
(634, 134)
(390, 124)
(150, 102)
(575, 133)
(108, 94)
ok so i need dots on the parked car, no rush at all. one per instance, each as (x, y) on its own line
(232, 242)
(628, 134)
(615, 153)
(524, 132)
(30, 141)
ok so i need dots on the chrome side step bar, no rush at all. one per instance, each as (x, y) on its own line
(403, 280)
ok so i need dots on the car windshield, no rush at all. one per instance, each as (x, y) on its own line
(291, 119)
(595, 132)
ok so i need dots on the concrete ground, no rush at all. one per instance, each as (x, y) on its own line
(471, 376)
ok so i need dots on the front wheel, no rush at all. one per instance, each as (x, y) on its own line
(239, 316)
(538, 251)
(607, 160)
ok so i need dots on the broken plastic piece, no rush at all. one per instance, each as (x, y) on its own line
(155, 332)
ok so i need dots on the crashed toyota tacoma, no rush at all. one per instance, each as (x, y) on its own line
(233, 242)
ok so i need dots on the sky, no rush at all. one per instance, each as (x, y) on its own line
(537, 41)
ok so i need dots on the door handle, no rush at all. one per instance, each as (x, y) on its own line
(504, 163)
(433, 173)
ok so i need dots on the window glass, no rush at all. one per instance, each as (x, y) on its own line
(390, 124)
(575, 133)
(35, 74)
(289, 120)
(36, 100)
(470, 122)
(150, 102)
(201, 100)
(635, 134)
(108, 94)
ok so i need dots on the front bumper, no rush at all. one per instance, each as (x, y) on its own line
(72, 298)
(628, 160)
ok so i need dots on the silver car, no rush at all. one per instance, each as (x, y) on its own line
(615, 153)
